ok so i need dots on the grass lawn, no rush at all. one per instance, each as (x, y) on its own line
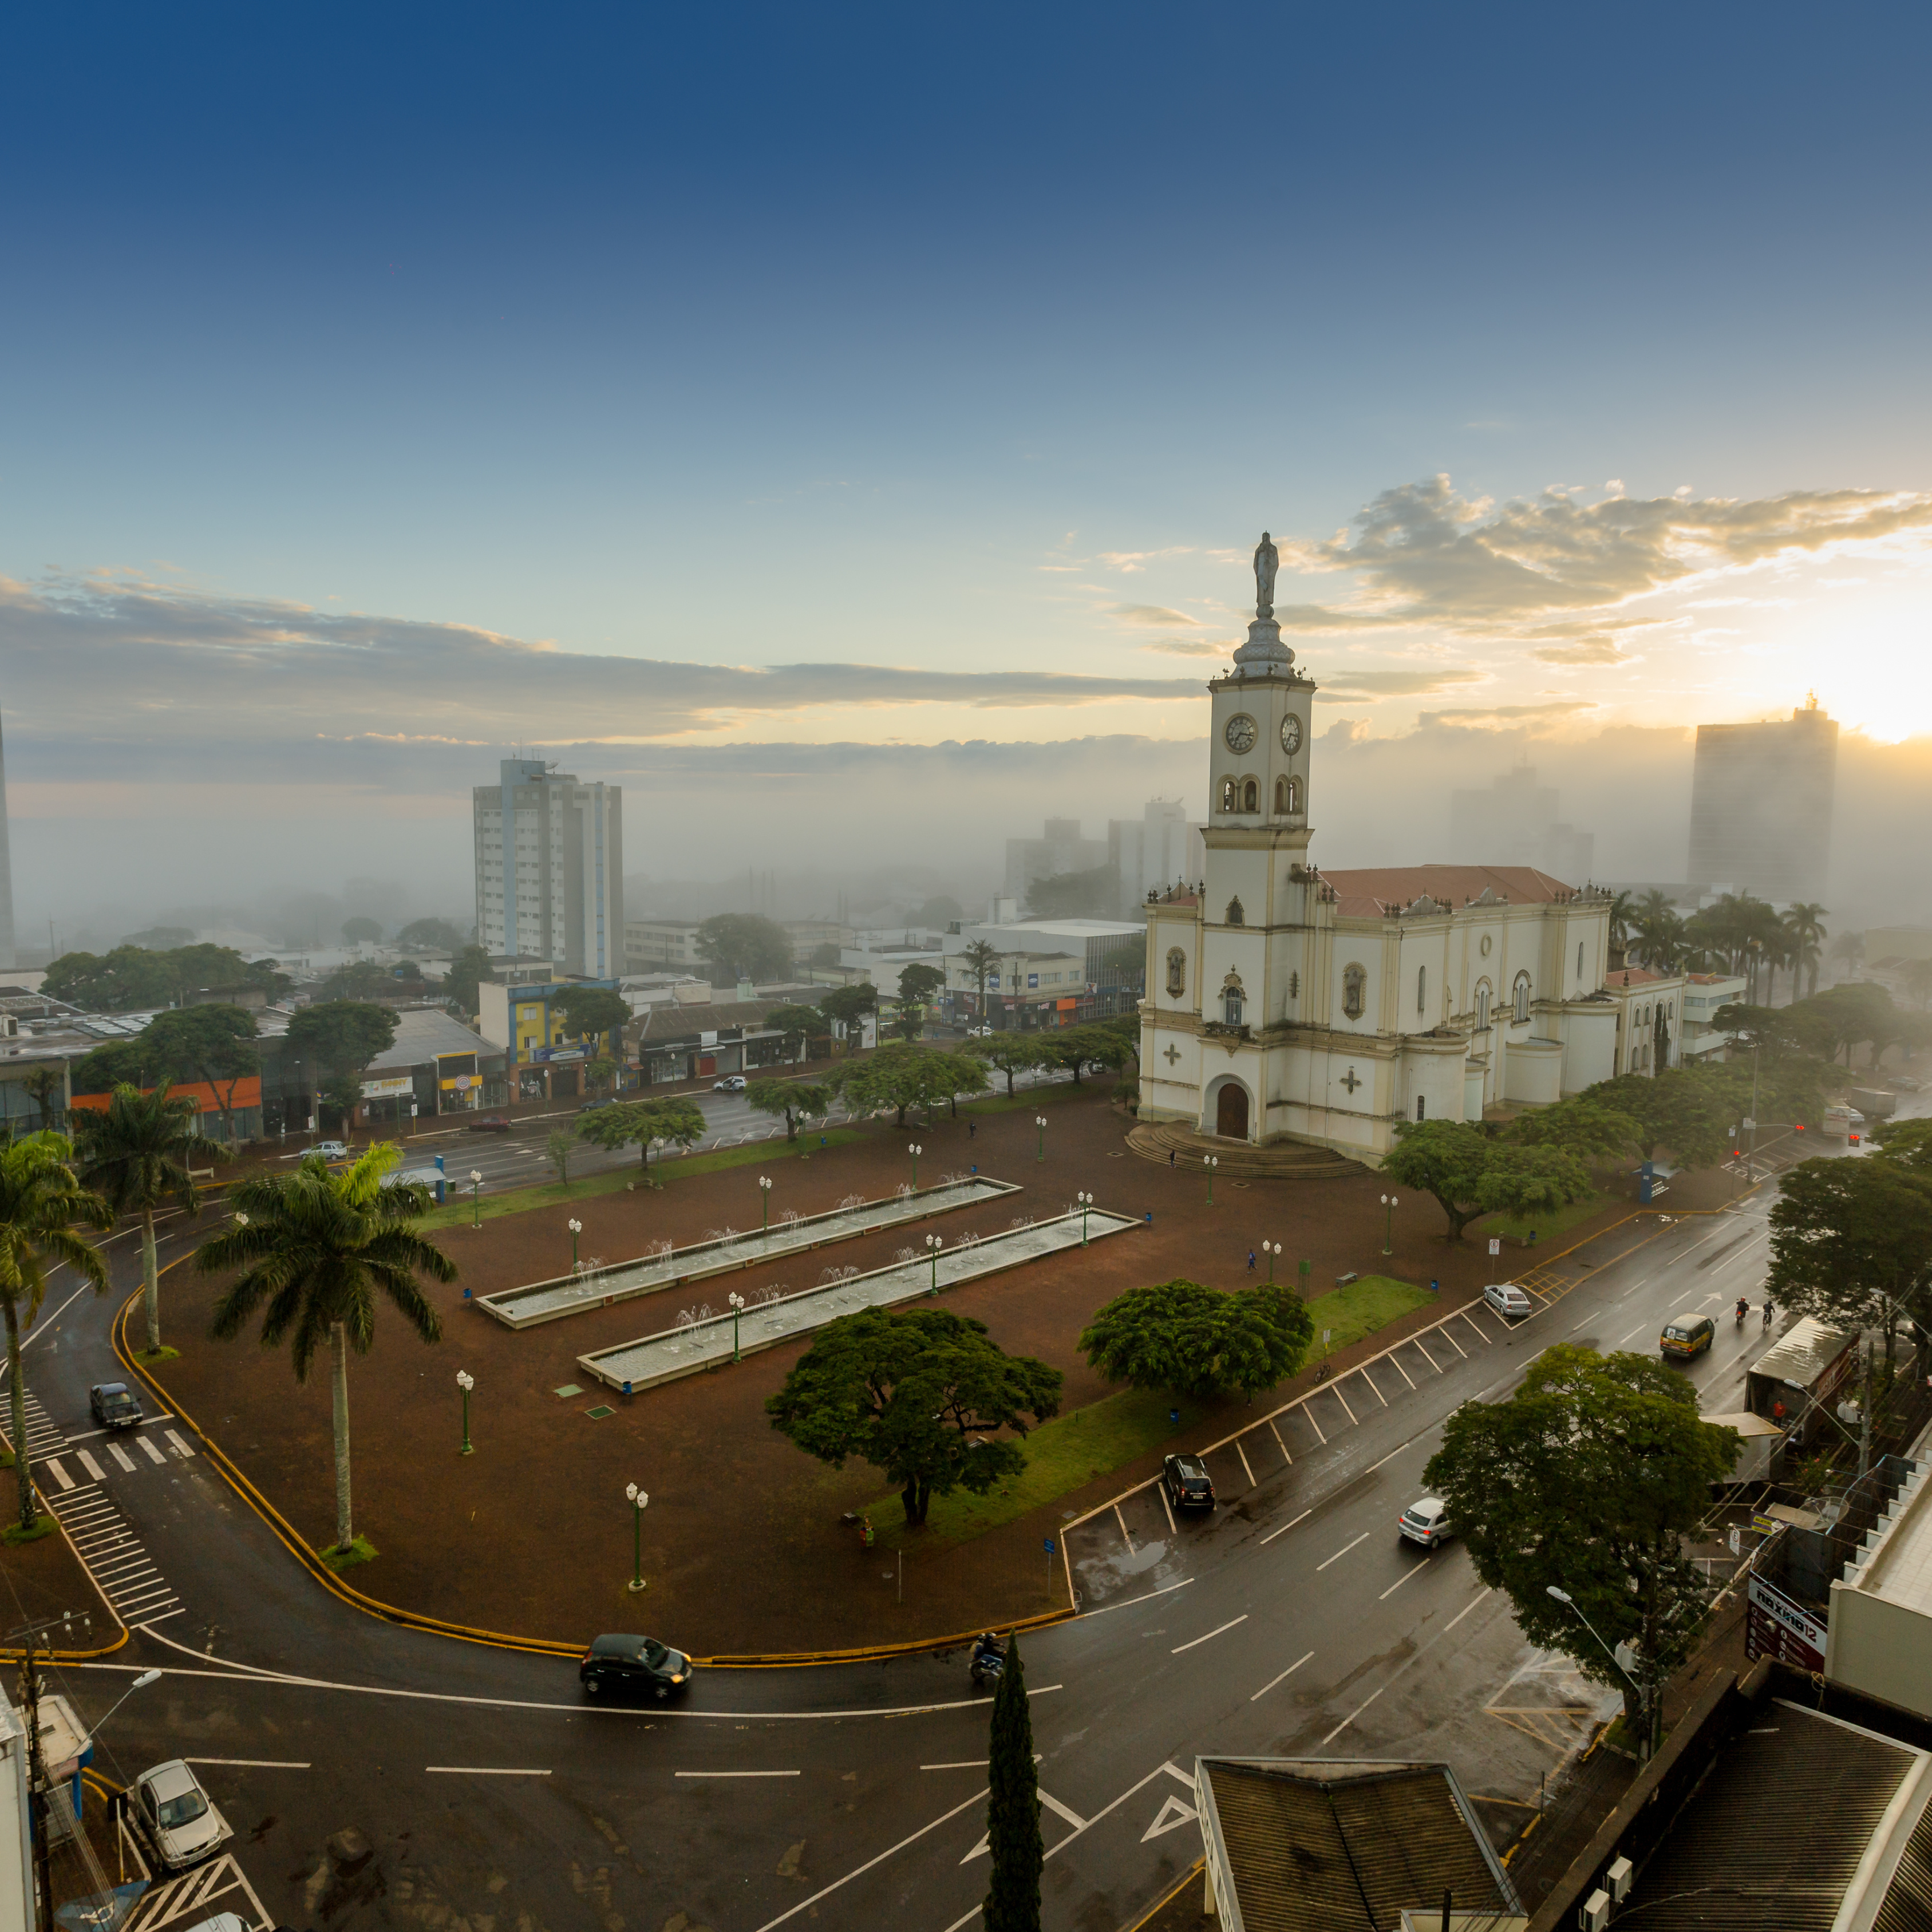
(457, 1211)
(1061, 1455)
(1001, 1101)
(1544, 1227)
(1349, 1313)
(1072, 1449)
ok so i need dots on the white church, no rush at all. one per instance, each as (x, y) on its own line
(1288, 1004)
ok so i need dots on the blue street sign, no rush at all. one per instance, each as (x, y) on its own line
(1049, 1545)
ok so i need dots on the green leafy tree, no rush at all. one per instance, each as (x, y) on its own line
(1805, 923)
(982, 957)
(1684, 1108)
(1851, 1243)
(593, 1012)
(360, 979)
(342, 1036)
(1593, 1133)
(1189, 1339)
(360, 929)
(920, 984)
(743, 945)
(847, 1006)
(115, 1063)
(1856, 1012)
(1077, 1048)
(1012, 1053)
(601, 1071)
(908, 1391)
(214, 1045)
(432, 935)
(316, 1251)
(468, 969)
(1470, 1173)
(40, 1203)
(794, 1101)
(1590, 1477)
(899, 1076)
(677, 1123)
(1907, 1143)
(125, 980)
(557, 1151)
(799, 1025)
(135, 1154)
(1012, 1807)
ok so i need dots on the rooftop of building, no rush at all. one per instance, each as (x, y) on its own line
(425, 1033)
(1896, 1567)
(1625, 978)
(1368, 891)
(1802, 1353)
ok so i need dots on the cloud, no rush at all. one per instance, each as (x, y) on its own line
(1131, 560)
(140, 660)
(1593, 650)
(1506, 714)
(1427, 555)
(1156, 614)
(1371, 685)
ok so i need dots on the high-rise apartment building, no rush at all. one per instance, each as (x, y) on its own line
(549, 868)
(1160, 848)
(1514, 821)
(1761, 800)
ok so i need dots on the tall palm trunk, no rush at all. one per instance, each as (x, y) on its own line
(151, 1282)
(16, 1422)
(338, 1343)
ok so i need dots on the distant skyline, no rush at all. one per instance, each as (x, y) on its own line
(389, 390)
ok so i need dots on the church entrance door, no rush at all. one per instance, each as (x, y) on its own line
(1231, 1112)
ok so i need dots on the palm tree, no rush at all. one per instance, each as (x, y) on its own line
(135, 1154)
(40, 1202)
(1805, 921)
(982, 956)
(1918, 977)
(1622, 920)
(1850, 947)
(314, 1248)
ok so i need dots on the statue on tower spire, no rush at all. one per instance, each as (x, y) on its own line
(1268, 561)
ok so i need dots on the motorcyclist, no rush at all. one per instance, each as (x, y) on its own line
(1744, 1308)
(989, 1657)
(1767, 1311)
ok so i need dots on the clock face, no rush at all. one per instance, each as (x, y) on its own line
(1240, 733)
(1291, 734)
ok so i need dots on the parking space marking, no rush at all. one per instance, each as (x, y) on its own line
(1343, 1551)
(1475, 1324)
(1371, 1380)
(1274, 1680)
(1444, 1332)
(1124, 1537)
(1307, 1415)
(1243, 1454)
(1400, 1369)
(1279, 1444)
(1426, 1355)
(1336, 1392)
(1192, 1641)
(254, 1763)
(1160, 1490)
(528, 1771)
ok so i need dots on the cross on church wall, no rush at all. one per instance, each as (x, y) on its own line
(1349, 1080)
(1172, 1054)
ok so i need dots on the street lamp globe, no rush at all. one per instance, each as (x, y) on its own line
(737, 1300)
(476, 1175)
(1562, 1596)
(764, 1180)
(465, 1381)
(635, 1494)
(576, 1227)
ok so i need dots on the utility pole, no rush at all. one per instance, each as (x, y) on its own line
(1864, 1415)
(36, 1769)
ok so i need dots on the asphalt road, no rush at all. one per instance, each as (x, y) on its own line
(1292, 1621)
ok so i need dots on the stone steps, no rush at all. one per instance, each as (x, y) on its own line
(1284, 1160)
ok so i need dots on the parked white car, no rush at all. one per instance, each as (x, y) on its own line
(178, 1819)
(331, 1149)
(1507, 1299)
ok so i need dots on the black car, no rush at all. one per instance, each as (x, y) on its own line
(1187, 1482)
(620, 1666)
(114, 1406)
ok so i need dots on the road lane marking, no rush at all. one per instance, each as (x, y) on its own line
(1192, 1641)
(1413, 1570)
(527, 1771)
(729, 1773)
(1389, 1458)
(1274, 1680)
(1287, 1526)
(53, 1468)
(1061, 1810)
(1352, 1716)
(1634, 1333)
(1279, 1444)
(44, 1326)
(1461, 1614)
(1343, 1551)
(963, 1764)
(1149, 1596)
(180, 1448)
(258, 1763)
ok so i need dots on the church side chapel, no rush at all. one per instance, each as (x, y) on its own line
(1286, 1004)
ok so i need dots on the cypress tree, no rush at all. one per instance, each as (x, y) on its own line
(1012, 1813)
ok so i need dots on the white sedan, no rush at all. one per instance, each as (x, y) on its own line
(732, 1083)
(1507, 1299)
(179, 1818)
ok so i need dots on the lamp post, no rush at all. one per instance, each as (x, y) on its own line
(765, 1196)
(465, 1381)
(1389, 1202)
(638, 1499)
(1212, 1161)
(914, 1148)
(140, 1683)
(737, 1302)
(576, 1228)
(1039, 1121)
(1272, 1249)
(475, 1197)
(241, 1219)
(1563, 1596)
(1086, 1201)
(933, 1243)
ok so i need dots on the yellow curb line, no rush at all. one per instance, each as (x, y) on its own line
(535, 1646)
(1167, 1898)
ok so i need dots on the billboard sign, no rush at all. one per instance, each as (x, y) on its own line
(1776, 1626)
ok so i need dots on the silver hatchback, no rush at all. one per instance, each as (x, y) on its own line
(1426, 1522)
(178, 1819)
(1507, 1299)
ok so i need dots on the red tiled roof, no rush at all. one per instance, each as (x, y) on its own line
(1626, 976)
(1366, 892)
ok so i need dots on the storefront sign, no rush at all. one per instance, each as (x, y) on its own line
(377, 1090)
(1776, 1626)
(461, 1084)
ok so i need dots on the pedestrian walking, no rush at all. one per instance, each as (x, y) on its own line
(972, 1129)
(1170, 1156)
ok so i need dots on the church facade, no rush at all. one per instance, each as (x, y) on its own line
(1286, 1004)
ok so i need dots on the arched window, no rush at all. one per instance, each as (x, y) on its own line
(1231, 1005)
(1237, 913)
(1287, 796)
(1354, 985)
(1422, 989)
(1176, 973)
(1251, 797)
(1580, 959)
(1294, 985)
(1521, 998)
(1483, 1007)
(1231, 797)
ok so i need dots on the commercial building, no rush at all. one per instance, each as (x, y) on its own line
(1761, 799)
(1074, 966)
(1515, 821)
(1286, 1004)
(1153, 852)
(550, 867)
(435, 1065)
(1704, 993)
(650, 945)
(524, 1023)
(683, 1042)
(1060, 850)
(1879, 1637)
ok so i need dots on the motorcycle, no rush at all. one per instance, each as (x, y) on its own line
(989, 1662)
(1743, 1310)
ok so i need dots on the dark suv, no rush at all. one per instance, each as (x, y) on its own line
(627, 1666)
(1187, 1482)
(114, 1406)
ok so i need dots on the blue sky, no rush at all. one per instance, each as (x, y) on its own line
(362, 368)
